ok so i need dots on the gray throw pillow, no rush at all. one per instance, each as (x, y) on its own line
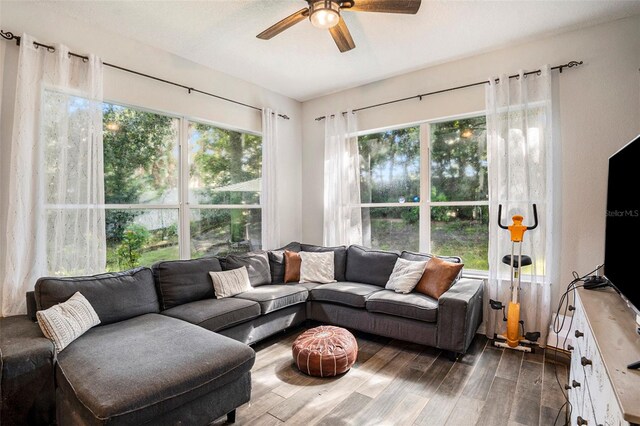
(257, 264)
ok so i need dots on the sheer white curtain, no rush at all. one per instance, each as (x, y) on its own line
(55, 211)
(521, 172)
(342, 213)
(269, 196)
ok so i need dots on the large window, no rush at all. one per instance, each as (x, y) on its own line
(425, 188)
(177, 189)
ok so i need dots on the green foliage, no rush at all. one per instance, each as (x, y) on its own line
(390, 165)
(134, 238)
(138, 159)
(459, 160)
(224, 157)
(390, 170)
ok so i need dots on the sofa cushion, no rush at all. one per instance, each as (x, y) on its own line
(340, 258)
(114, 296)
(276, 296)
(345, 293)
(413, 305)
(184, 281)
(277, 263)
(257, 263)
(216, 314)
(309, 287)
(168, 363)
(370, 266)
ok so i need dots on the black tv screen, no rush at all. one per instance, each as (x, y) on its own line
(623, 222)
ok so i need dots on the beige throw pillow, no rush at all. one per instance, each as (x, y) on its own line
(230, 283)
(405, 275)
(65, 322)
(317, 267)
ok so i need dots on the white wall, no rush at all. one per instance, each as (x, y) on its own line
(599, 111)
(129, 89)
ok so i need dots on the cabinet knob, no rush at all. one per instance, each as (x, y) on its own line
(581, 421)
(567, 386)
(575, 384)
(572, 308)
(569, 347)
(585, 361)
(579, 333)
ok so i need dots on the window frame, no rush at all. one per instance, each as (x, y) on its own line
(425, 204)
(183, 206)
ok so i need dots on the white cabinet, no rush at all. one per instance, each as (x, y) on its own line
(592, 396)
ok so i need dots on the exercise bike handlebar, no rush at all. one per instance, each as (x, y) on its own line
(535, 218)
(500, 217)
(529, 228)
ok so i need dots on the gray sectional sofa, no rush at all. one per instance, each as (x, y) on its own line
(167, 351)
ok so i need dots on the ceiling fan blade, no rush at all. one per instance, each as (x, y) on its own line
(287, 22)
(385, 6)
(342, 36)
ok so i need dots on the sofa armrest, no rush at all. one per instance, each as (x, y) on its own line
(27, 358)
(459, 315)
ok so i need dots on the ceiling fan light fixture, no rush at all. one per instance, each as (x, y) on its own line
(324, 14)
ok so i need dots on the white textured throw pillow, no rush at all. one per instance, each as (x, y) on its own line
(65, 322)
(317, 267)
(405, 275)
(230, 283)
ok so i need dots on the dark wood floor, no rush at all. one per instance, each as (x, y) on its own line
(398, 383)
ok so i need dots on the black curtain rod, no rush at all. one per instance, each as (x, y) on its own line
(10, 36)
(569, 64)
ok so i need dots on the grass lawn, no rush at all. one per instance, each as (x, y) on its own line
(467, 239)
(147, 258)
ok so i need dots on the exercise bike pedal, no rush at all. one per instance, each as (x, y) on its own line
(532, 336)
(495, 304)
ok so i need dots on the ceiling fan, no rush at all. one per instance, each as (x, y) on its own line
(325, 14)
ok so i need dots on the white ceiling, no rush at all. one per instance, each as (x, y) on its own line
(303, 62)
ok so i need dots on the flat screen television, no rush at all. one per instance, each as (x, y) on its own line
(622, 245)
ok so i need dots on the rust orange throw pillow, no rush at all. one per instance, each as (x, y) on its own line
(437, 277)
(292, 262)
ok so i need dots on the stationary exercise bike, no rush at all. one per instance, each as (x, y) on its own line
(513, 339)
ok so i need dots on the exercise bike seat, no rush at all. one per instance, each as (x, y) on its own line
(526, 260)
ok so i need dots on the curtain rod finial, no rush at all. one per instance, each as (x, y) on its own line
(8, 35)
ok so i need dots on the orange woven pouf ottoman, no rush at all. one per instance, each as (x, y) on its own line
(325, 351)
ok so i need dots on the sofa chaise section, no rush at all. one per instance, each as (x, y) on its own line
(151, 369)
(138, 366)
